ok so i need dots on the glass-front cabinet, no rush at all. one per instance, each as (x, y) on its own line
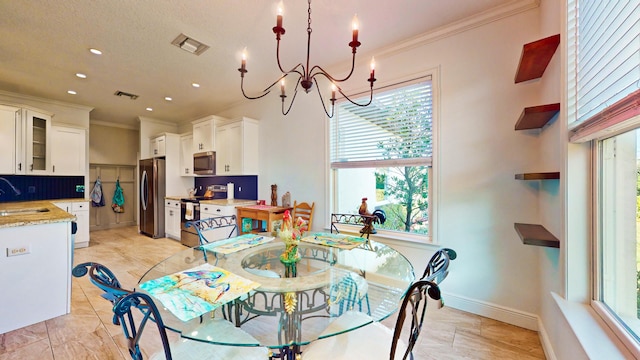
(37, 144)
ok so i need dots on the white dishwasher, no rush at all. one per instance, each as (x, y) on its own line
(209, 211)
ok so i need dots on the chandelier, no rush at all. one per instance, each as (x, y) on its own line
(307, 75)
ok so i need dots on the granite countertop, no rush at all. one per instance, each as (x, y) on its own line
(219, 202)
(69, 200)
(33, 213)
(228, 202)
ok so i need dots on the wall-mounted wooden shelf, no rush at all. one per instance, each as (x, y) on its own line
(536, 117)
(535, 58)
(533, 234)
(538, 176)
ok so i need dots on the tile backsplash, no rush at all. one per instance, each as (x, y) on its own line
(246, 187)
(33, 187)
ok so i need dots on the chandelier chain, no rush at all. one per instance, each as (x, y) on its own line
(309, 18)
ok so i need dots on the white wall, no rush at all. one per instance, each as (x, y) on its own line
(478, 155)
(292, 150)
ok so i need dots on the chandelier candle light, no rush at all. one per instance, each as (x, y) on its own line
(306, 74)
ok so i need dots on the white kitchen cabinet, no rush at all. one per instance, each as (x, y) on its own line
(209, 211)
(38, 142)
(79, 209)
(204, 133)
(186, 155)
(36, 281)
(237, 147)
(68, 151)
(10, 118)
(172, 218)
(157, 146)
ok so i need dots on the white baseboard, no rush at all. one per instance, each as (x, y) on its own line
(545, 342)
(492, 311)
(504, 314)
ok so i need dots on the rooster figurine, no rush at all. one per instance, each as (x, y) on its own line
(380, 217)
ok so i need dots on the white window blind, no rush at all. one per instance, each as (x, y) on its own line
(394, 130)
(607, 57)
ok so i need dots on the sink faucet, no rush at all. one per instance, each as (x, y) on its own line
(15, 190)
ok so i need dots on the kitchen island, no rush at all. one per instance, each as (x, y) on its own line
(35, 263)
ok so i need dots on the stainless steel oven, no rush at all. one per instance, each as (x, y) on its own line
(189, 236)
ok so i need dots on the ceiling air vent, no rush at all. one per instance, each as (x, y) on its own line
(188, 44)
(122, 93)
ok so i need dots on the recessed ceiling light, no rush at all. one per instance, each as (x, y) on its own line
(168, 98)
(71, 92)
(195, 85)
(149, 109)
(95, 51)
(81, 75)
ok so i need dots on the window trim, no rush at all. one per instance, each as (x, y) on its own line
(434, 174)
(620, 117)
(611, 320)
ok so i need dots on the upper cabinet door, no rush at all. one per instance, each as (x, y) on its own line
(158, 147)
(186, 155)
(38, 142)
(237, 143)
(203, 136)
(68, 151)
(10, 118)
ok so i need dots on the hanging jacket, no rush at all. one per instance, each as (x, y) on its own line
(118, 199)
(96, 194)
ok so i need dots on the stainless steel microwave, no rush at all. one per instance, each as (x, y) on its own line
(204, 163)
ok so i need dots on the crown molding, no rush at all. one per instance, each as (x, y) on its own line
(44, 100)
(111, 124)
(483, 18)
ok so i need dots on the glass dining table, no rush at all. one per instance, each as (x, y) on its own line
(282, 312)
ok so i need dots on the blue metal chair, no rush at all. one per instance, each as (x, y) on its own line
(438, 266)
(218, 222)
(347, 294)
(373, 340)
(183, 348)
(103, 278)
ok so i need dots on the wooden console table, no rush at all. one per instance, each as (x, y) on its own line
(261, 213)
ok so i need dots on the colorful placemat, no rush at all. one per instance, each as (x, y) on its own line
(231, 245)
(197, 291)
(342, 241)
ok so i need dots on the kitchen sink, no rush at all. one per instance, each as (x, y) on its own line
(23, 211)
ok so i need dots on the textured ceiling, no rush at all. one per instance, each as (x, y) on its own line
(45, 42)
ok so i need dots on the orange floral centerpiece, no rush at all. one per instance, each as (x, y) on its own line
(290, 233)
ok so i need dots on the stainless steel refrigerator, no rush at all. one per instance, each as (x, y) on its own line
(152, 192)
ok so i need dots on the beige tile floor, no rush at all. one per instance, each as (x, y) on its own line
(87, 332)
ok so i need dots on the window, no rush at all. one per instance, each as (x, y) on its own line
(383, 153)
(618, 237)
(603, 107)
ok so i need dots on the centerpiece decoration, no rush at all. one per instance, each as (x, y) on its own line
(290, 233)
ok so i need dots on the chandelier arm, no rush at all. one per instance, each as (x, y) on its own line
(290, 105)
(355, 103)
(278, 56)
(265, 92)
(268, 88)
(295, 92)
(328, 76)
(322, 100)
